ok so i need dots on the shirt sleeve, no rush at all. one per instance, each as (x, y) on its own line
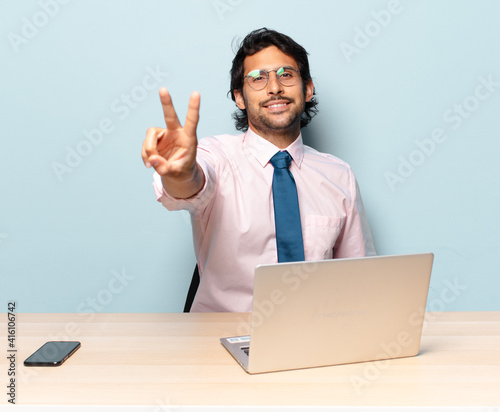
(196, 205)
(355, 239)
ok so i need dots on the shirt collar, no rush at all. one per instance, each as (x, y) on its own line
(263, 149)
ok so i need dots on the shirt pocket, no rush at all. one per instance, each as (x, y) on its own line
(320, 234)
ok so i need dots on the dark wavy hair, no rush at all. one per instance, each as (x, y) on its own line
(256, 41)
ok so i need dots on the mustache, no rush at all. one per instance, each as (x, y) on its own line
(275, 99)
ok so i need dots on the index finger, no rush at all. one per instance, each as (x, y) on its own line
(171, 119)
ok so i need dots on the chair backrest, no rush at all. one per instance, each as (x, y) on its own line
(193, 287)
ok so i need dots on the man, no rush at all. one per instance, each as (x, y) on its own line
(226, 182)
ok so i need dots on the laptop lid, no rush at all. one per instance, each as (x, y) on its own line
(330, 312)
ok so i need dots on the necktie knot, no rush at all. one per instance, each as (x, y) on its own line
(281, 160)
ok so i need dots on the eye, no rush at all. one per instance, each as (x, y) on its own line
(287, 73)
(256, 75)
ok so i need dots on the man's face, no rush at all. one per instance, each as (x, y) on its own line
(275, 110)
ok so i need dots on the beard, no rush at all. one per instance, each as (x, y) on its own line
(276, 123)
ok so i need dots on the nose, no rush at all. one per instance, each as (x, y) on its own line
(273, 84)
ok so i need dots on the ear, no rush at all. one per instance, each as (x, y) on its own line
(309, 90)
(240, 101)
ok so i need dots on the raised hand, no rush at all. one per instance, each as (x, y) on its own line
(172, 151)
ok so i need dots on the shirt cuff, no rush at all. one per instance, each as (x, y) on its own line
(192, 204)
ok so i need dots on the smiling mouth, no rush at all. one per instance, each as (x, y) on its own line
(276, 104)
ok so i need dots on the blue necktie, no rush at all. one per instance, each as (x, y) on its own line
(286, 211)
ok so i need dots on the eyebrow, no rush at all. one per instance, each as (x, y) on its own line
(276, 68)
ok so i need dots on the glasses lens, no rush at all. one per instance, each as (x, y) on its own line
(257, 79)
(288, 77)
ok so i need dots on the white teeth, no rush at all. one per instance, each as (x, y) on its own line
(277, 105)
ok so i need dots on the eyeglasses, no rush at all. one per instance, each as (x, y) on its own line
(258, 79)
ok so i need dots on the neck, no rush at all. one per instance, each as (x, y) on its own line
(280, 138)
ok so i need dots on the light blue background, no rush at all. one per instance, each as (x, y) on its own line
(95, 239)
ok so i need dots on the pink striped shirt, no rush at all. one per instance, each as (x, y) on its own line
(233, 215)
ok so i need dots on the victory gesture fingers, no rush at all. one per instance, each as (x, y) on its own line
(172, 151)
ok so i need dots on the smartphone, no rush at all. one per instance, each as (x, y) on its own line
(52, 353)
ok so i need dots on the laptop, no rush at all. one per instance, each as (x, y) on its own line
(331, 312)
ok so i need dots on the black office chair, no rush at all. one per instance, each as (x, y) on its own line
(193, 287)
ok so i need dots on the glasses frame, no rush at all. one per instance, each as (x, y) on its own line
(248, 77)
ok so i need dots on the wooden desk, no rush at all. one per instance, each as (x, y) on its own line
(176, 359)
